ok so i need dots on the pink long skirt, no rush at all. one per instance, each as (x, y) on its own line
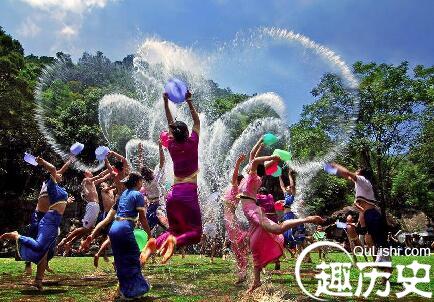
(265, 247)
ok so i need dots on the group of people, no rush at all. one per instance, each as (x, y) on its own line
(132, 198)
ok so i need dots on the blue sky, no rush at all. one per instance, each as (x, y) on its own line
(387, 31)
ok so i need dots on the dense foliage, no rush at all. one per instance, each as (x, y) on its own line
(393, 136)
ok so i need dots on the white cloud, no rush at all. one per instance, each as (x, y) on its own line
(68, 31)
(60, 21)
(28, 28)
(74, 6)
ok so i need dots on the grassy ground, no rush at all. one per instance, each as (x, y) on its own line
(189, 279)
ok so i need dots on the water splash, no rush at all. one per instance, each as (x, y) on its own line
(58, 71)
(221, 140)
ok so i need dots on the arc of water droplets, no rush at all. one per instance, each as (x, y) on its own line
(154, 63)
(321, 50)
(58, 70)
(306, 171)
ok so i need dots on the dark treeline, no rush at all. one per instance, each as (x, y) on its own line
(393, 134)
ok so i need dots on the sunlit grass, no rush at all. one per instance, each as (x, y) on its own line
(189, 279)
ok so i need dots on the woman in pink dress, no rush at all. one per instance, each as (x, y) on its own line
(237, 236)
(182, 204)
(266, 240)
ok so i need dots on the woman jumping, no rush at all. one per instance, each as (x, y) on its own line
(182, 204)
(42, 207)
(266, 241)
(37, 250)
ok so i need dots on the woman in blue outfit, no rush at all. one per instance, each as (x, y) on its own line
(36, 250)
(42, 207)
(129, 207)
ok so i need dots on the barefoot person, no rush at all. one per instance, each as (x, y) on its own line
(120, 170)
(42, 207)
(154, 192)
(182, 204)
(130, 205)
(372, 224)
(235, 233)
(108, 201)
(353, 236)
(36, 250)
(266, 202)
(90, 195)
(266, 241)
(209, 238)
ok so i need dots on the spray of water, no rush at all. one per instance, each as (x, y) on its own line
(221, 141)
(60, 71)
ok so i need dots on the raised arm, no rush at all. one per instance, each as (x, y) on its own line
(47, 166)
(161, 153)
(194, 114)
(108, 166)
(282, 185)
(66, 165)
(261, 146)
(102, 179)
(258, 160)
(291, 182)
(117, 156)
(101, 174)
(140, 150)
(254, 151)
(345, 173)
(167, 110)
(124, 161)
(240, 159)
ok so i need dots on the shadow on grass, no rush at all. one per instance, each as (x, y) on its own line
(146, 299)
(45, 292)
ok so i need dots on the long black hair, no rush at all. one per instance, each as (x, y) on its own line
(131, 180)
(260, 170)
(179, 131)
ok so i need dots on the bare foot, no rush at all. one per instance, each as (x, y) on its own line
(61, 243)
(66, 249)
(148, 250)
(106, 258)
(38, 284)
(95, 260)
(85, 244)
(253, 287)
(163, 249)
(28, 269)
(170, 248)
(10, 236)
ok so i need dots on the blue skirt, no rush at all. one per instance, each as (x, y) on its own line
(34, 249)
(126, 253)
(288, 235)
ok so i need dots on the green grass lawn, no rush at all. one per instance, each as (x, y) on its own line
(189, 279)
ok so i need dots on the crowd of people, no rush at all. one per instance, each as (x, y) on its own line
(172, 219)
